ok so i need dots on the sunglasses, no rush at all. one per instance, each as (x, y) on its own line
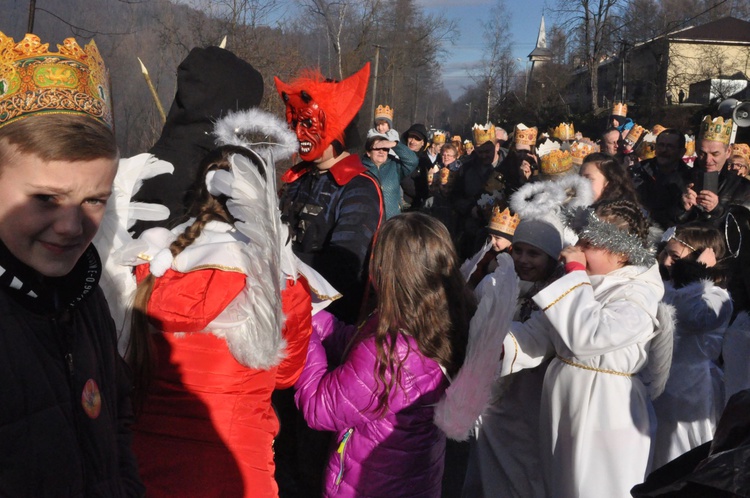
(381, 149)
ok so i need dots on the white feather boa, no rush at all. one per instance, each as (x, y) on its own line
(469, 393)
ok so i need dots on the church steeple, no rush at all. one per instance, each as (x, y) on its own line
(539, 55)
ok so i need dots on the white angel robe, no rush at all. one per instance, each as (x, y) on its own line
(693, 398)
(596, 419)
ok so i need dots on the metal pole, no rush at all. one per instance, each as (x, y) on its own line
(375, 83)
(32, 11)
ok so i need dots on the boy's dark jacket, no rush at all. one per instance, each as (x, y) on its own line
(58, 354)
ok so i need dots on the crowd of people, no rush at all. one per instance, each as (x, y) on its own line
(534, 314)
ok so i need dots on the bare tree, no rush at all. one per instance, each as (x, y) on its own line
(593, 22)
(497, 65)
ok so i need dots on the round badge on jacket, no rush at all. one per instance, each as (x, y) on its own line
(91, 399)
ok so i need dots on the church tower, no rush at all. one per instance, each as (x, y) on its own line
(539, 55)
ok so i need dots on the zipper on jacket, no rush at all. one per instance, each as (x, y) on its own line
(342, 454)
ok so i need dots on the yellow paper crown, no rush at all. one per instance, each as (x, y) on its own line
(620, 109)
(483, 134)
(456, 138)
(634, 134)
(555, 162)
(503, 222)
(716, 129)
(582, 148)
(564, 131)
(438, 137)
(742, 150)
(34, 80)
(689, 145)
(525, 136)
(657, 129)
(384, 112)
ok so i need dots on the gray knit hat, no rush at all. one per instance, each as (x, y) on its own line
(543, 233)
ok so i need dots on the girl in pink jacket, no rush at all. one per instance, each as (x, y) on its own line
(380, 399)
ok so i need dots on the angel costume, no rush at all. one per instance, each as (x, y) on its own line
(230, 317)
(693, 399)
(596, 420)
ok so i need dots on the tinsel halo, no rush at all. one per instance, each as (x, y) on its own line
(607, 236)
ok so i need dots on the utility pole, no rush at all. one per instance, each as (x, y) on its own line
(375, 81)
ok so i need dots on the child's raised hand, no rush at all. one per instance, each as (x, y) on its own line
(572, 254)
(707, 257)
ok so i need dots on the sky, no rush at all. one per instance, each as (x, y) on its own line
(469, 15)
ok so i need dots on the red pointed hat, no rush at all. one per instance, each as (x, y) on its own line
(340, 100)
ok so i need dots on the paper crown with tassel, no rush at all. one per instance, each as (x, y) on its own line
(620, 109)
(338, 100)
(483, 133)
(384, 112)
(741, 150)
(716, 129)
(553, 160)
(35, 81)
(523, 135)
(503, 223)
(564, 131)
(438, 137)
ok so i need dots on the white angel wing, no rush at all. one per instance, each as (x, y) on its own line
(117, 281)
(468, 394)
(656, 373)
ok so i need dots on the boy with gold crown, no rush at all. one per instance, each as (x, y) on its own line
(65, 399)
(714, 150)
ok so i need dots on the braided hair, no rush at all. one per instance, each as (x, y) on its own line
(205, 208)
(625, 215)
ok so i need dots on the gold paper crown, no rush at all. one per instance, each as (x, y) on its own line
(383, 112)
(581, 149)
(34, 80)
(742, 150)
(657, 129)
(634, 134)
(620, 109)
(503, 222)
(525, 136)
(556, 162)
(468, 142)
(483, 134)
(689, 145)
(456, 138)
(716, 129)
(438, 137)
(647, 150)
(564, 131)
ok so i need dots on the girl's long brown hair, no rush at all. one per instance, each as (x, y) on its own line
(205, 208)
(420, 292)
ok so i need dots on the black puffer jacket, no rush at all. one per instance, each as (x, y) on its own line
(64, 406)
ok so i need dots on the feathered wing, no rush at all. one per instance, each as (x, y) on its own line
(117, 281)
(656, 372)
(252, 324)
(468, 394)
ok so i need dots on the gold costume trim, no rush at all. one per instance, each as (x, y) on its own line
(565, 294)
(515, 353)
(593, 369)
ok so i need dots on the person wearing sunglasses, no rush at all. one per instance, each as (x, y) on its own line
(389, 170)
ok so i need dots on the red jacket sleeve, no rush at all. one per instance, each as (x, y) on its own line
(297, 307)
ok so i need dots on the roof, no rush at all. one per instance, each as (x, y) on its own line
(541, 52)
(727, 29)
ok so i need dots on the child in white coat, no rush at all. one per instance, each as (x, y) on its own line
(693, 399)
(597, 322)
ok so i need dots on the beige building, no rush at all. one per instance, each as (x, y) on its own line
(704, 62)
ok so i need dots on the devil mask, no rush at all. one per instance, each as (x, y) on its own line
(319, 110)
